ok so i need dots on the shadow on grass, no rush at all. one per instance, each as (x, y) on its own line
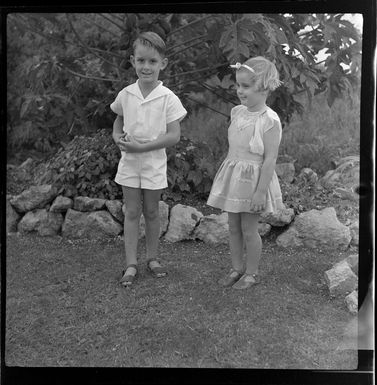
(64, 307)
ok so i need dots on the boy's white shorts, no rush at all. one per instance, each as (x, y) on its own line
(145, 170)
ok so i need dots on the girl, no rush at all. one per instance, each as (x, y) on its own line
(246, 183)
(148, 120)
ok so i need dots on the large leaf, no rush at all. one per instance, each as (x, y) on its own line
(235, 40)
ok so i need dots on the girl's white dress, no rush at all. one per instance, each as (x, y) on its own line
(238, 176)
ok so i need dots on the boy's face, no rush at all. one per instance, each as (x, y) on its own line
(247, 91)
(148, 63)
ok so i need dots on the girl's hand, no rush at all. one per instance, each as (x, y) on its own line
(258, 202)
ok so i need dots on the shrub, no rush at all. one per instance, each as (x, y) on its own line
(210, 128)
(191, 167)
(86, 166)
(323, 134)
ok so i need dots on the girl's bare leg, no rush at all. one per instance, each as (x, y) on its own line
(236, 241)
(253, 241)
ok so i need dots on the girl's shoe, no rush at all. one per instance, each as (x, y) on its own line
(247, 280)
(232, 277)
(127, 278)
(155, 268)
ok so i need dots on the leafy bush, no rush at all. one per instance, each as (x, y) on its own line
(191, 167)
(304, 196)
(210, 127)
(87, 167)
(323, 134)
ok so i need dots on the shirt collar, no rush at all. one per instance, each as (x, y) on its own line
(157, 92)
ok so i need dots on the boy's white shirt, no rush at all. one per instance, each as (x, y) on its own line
(146, 118)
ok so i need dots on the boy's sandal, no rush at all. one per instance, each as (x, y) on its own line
(246, 281)
(155, 268)
(232, 277)
(128, 279)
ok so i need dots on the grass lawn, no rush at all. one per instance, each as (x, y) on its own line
(64, 307)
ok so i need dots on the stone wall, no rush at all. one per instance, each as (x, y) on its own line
(42, 211)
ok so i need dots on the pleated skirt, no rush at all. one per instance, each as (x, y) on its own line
(235, 184)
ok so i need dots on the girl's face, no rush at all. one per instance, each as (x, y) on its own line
(247, 92)
(148, 63)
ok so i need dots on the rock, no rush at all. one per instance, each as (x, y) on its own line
(316, 228)
(12, 218)
(264, 229)
(183, 220)
(354, 228)
(346, 194)
(340, 279)
(290, 238)
(88, 204)
(346, 175)
(90, 225)
(353, 262)
(282, 217)
(213, 229)
(45, 223)
(285, 171)
(115, 209)
(308, 175)
(27, 163)
(164, 220)
(61, 204)
(351, 301)
(33, 198)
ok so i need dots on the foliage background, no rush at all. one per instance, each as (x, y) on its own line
(65, 69)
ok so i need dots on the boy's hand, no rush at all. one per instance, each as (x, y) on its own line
(131, 145)
(120, 140)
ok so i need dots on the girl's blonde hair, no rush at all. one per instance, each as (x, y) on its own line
(265, 76)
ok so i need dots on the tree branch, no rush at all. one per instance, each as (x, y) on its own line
(206, 106)
(89, 77)
(188, 81)
(184, 49)
(99, 26)
(112, 21)
(84, 45)
(213, 90)
(116, 17)
(47, 37)
(189, 24)
(196, 71)
(186, 42)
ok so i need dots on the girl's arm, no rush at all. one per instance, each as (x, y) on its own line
(172, 137)
(271, 147)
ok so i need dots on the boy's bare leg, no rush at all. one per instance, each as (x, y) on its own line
(152, 222)
(132, 199)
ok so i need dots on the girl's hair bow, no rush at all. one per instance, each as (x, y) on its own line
(239, 65)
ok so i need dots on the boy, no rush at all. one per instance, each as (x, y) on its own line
(148, 121)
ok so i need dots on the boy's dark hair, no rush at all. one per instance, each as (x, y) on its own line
(151, 39)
